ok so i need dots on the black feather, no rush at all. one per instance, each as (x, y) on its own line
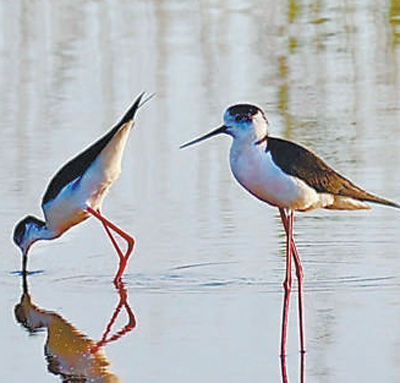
(79, 164)
(300, 162)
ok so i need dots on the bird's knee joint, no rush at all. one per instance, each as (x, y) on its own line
(287, 284)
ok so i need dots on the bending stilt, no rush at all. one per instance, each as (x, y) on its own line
(129, 240)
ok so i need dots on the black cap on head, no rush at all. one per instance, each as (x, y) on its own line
(244, 111)
(20, 228)
(19, 232)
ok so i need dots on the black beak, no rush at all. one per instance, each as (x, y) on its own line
(221, 129)
(24, 262)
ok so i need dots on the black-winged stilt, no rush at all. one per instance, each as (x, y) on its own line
(290, 177)
(78, 189)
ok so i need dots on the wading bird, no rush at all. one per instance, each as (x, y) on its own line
(290, 177)
(78, 189)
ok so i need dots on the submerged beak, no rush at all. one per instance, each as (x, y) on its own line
(221, 129)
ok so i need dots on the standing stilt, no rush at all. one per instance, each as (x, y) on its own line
(285, 174)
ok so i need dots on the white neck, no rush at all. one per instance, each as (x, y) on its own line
(35, 232)
(251, 134)
(260, 129)
(255, 138)
(40, 232)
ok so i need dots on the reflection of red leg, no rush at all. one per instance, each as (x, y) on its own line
(300, 281)
(287, 283)
(129, 240)
(130, 325)
(302, 367)
(283, 369)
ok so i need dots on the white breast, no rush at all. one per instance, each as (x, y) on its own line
(255, 170)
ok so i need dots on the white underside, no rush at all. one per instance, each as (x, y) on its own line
(68, 208)
(255, 170)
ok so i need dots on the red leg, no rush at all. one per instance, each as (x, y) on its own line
(287, 283)
(300, 282)
(113, 241)
(129, 240)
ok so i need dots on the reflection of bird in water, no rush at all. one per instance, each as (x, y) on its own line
(69, 353)
(290, 177)
(77, 191)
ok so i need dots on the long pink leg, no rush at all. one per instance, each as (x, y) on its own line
(113, 240)
(129, 240)
(300, 281)
(287, 283)
(123, 260)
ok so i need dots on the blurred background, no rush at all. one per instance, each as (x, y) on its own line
(205, 279)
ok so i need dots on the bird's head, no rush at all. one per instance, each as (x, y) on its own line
(25, 314)
(242, 121)
(26, 233)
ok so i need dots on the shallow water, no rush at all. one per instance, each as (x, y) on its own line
(204, 283)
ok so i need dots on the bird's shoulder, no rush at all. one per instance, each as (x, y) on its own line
(300, 162)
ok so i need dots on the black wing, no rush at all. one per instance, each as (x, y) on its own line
(300, 162)
(79, 164)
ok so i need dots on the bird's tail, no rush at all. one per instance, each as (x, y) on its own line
(382, 201)
(130, 113)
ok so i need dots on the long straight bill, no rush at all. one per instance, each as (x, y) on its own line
(219, 130)
(24, 262)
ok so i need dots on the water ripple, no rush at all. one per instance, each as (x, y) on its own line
(206, 278)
